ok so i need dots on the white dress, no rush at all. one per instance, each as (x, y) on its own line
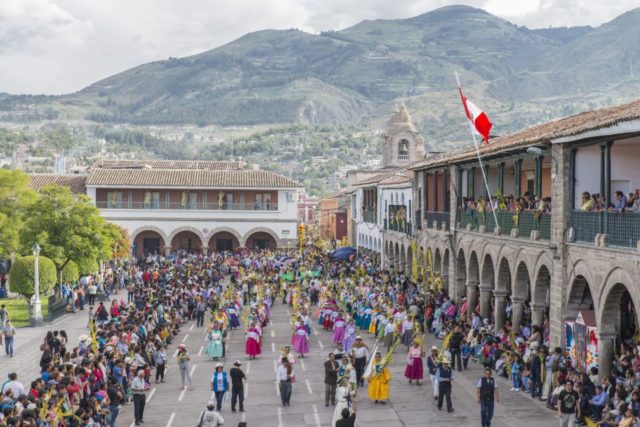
(342, 401)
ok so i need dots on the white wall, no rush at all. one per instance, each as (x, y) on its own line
(625, 168)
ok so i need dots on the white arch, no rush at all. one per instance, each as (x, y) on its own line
(260, 230)
(153, 228)
(194, 230)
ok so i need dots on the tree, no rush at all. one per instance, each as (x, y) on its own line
(115, 241)
(67, 227)
(22, 275)
(15, 197)
(70, 272)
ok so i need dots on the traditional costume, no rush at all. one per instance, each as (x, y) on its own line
(301, 338)
(338, 330)
(214, 344)
(252, 346)
(414, 369)
(378, 389)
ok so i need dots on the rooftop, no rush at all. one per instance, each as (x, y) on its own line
(168, 164)
(77, 183)
(194, 178)
(544, 133)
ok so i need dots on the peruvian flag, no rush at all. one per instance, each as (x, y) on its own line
(481, 122)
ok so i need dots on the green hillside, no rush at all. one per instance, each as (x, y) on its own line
(355, 77)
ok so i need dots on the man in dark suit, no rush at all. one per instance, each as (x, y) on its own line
(330, 380)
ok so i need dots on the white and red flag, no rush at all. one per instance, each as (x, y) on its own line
(481, 123)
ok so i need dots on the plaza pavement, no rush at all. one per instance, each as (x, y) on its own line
(409, 405)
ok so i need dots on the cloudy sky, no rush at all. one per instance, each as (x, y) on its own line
(60, 46)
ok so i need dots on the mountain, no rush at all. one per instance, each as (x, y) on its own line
(355, 76)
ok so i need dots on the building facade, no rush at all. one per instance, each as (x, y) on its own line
(195, 206)
(563, 258)
(382, 198)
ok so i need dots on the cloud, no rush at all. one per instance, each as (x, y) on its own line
(59, 46)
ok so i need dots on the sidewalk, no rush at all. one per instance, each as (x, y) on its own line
(26, 358)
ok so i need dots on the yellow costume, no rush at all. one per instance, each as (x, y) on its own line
(379, 383)
(372, 325)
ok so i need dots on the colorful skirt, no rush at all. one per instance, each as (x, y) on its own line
(214, 349)
(338, 334)
(347, 343)
(407, 337)
(252, 347)
(415, 370)
(301, 344)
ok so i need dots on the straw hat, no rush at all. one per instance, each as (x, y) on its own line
(434, 348)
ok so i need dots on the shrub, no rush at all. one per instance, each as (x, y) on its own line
(21, 275)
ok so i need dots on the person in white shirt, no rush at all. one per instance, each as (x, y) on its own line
(209, 417)
(138, 386)
(14, 385)
(361, 355)
(284, 374)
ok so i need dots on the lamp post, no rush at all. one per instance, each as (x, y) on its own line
(36, 309)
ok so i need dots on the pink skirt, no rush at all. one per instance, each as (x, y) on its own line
(415, 370)
(301, 344)
(252, 347)
(338, 334)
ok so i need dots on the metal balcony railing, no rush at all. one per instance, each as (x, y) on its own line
(621, 228)
(399, 226)
(189, 206)
(439, 217)
(527, 222)
(369, 216)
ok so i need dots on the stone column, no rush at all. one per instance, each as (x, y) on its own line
(537, 314)
(472, 298)
(606, 342)
(499, 315)
(205, 250)
(167, 250)
(485, 302)
(516, 314)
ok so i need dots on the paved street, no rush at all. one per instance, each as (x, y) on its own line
(410, 405)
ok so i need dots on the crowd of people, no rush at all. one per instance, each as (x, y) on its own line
(84, 382)
(622, 203)
(509, 203)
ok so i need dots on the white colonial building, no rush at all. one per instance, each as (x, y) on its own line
(198, 206)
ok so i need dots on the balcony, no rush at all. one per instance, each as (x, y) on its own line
(437, 217)
(188, 206)
(621, 228)
(399, 226)
(369, 216)
(527, 222)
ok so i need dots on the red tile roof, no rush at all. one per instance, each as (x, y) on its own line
(77, 183)
(197, 178)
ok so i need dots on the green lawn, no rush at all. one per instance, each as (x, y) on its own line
(19, 310)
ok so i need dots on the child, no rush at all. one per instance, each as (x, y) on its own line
(466, 353)
(515, 372)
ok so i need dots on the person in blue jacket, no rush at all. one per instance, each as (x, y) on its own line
(219, 385)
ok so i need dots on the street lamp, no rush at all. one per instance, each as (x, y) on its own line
(36, 312)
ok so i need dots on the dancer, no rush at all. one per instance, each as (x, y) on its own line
(414, 369)
(214, 342)
(301, 338)
(378, 390)
(252, 346)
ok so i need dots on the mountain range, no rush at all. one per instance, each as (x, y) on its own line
(520, 76)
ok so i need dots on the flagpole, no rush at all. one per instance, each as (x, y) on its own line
(484, 175)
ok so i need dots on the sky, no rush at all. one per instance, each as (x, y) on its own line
(61, 46)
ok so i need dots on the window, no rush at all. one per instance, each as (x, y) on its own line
(193, 201)
(258, 204)
(267, 201)
(228, 201)
(403, 150)
(152, 200)
(114, 200)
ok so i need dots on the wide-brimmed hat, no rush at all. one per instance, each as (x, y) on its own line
(434, 348)
(182, 346)
(237, 363)
(211, 403)
(83, 337)
(358, 337)
(219, 365)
